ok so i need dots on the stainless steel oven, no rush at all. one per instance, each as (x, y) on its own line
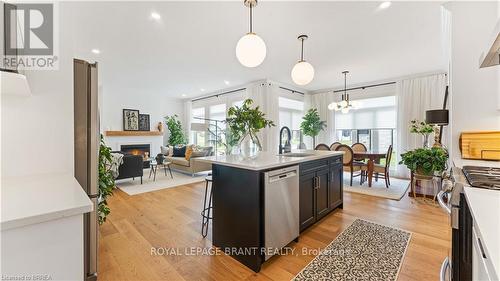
(458, 265)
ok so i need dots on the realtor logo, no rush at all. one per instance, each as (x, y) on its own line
(29, 36)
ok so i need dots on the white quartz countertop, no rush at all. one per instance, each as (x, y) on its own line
(459, 162)
(485, 209)
(35, 199)
(267, 160)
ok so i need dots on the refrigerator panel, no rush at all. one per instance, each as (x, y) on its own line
(90, 243)
(80, 108)
(94, 134)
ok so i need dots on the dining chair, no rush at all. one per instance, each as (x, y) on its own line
(321, 146)
(359, 147)
(334, 146)
(349, 164)
(382, 171)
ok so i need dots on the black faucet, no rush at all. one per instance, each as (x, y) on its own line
(288, 146)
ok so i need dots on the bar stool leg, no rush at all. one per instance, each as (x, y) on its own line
(204, 217)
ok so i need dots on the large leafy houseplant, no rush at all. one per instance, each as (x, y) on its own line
(174, 126)
(106, 181)
(425, 161)
(245, 122)
(312, 124)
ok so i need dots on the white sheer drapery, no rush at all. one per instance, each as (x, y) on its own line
(266, 96)
(414, 97)
(321, 102)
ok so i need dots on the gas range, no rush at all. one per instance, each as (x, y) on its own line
(482, 177)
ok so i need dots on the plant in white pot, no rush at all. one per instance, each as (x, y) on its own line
(245, 123)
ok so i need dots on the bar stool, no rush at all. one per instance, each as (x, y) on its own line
(205, 213)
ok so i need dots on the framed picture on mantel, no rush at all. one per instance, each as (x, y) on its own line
(143, 122)
(130, 120)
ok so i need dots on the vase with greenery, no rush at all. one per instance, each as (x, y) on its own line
(245, 123)
(422, 128)
(106, 181)
(174, 125)
(425, 161)
(311, 124)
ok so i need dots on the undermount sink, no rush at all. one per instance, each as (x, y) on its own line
(296, 154)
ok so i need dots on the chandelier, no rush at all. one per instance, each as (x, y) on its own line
(345, 105)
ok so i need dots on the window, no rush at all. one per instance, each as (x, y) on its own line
(197, 130)
(373, 124)
(217, 112)
(290, 113)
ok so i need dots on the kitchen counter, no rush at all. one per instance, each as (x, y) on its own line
(485, 209)
(268, 160)
(270, 199)
(35, 199)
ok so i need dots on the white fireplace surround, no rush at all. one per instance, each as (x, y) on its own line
(115, 142)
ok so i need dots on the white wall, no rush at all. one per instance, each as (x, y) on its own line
(475, 92)
(37, 131)
(154, 104)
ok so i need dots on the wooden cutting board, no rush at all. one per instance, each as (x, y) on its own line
(480, 145)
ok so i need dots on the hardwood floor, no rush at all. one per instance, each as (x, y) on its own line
(170, 218)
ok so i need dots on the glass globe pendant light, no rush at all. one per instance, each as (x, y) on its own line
(251, 49)
(302, 72)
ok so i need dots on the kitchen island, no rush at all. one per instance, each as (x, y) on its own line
(260, 203)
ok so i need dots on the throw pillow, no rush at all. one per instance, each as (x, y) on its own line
(198, 154)
(170, 150)
(164, 150)
(189, 152)
(179, 152)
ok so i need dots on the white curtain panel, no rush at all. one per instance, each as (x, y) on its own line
(271, 109)
(414, 97)
(266, 96)
(321, 101)
(187, 119)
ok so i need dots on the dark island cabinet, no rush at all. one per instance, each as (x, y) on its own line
(320, 189)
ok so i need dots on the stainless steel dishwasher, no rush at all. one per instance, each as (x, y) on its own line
(281, 208)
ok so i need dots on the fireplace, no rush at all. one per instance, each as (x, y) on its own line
(138, 149)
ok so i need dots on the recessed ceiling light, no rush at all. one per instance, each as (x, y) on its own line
(155, 16)
(183, 95)
(96, 51)
(385, 5)
(203, 90)
(226, 82)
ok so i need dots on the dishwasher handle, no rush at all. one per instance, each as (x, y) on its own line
(283, 176)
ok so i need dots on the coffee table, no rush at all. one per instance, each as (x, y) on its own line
(154, 167)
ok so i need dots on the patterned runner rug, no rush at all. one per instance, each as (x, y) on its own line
(363, 251)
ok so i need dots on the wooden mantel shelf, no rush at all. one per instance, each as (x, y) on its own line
(132, 133)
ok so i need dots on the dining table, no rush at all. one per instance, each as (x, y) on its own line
(373, 157)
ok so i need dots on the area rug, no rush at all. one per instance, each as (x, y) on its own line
(396, 190)
(363, 251)
(133, 187)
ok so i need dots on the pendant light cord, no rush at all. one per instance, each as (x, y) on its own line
(302, 50)
(345, 87)
(251, 29)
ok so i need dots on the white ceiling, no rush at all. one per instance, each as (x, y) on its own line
(193, 46)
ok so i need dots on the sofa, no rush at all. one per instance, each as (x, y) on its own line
(191, 166)
(132, 166)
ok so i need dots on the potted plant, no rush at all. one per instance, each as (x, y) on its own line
(244, 123)
(312, 124)
(420, 127)
(425, 161)
(174, 126)
(106, 181)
